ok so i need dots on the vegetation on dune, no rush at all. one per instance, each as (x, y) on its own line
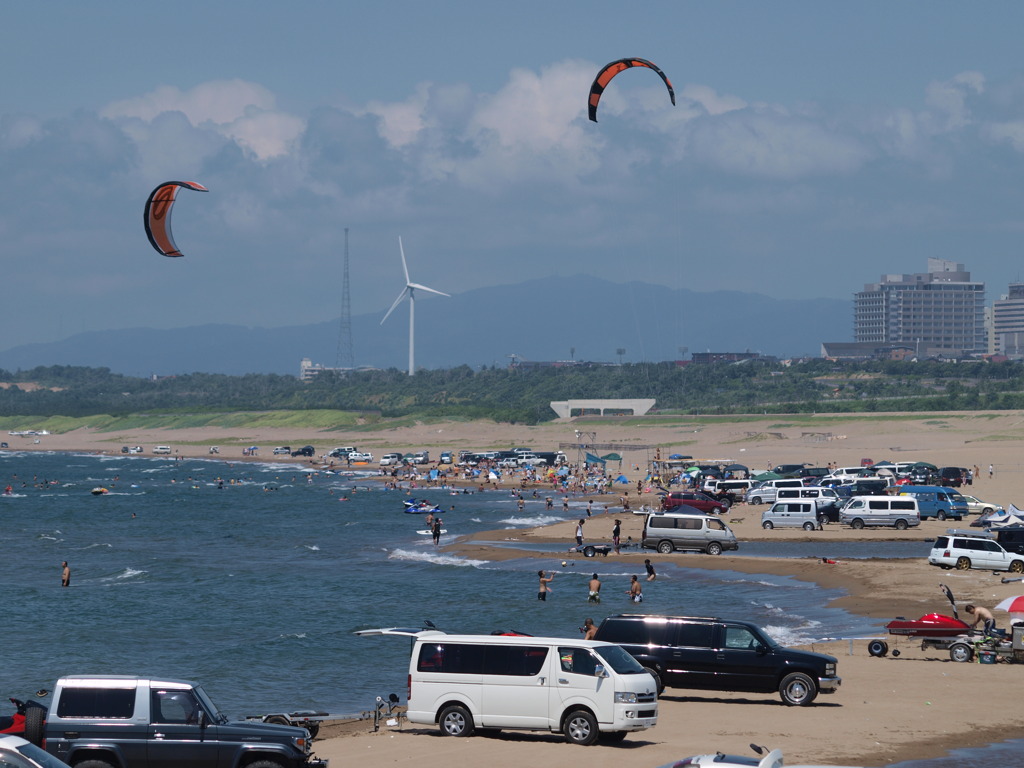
(64, 397)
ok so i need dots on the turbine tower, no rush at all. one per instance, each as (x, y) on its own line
(410, 291)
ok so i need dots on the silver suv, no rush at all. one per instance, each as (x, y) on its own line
(964, 550)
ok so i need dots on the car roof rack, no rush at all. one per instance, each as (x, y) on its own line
(967, 532)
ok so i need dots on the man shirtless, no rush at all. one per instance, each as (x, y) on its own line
(981, 616)
(65, 576)
(595, 591)
(543, 589)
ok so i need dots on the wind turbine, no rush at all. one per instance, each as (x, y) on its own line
(410, 291)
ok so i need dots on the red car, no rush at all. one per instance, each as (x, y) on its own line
(695, 499)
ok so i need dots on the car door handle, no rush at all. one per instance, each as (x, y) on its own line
(563, 681)
(158, 735)
(541, 680)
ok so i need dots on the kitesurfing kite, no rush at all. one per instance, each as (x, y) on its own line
(611, 70)
(157, 216)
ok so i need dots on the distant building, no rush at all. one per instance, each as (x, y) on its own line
(940, 312)
(865, 350)
(1008, 322)
(722, 357)
(308, 370)
(569, 408)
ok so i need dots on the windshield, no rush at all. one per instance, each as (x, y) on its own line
(215, 714)
(617, 659)
(45, 759)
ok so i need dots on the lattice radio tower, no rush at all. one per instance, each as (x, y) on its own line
(345, 357)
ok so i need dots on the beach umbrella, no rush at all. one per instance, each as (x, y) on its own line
(767, 476)
(621, 479)
(737, 468)
(1012, 604)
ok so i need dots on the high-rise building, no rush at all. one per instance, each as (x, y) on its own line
(938, 312)
(1008, 322)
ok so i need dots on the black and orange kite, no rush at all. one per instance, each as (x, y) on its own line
(157, 215)
(611, 70)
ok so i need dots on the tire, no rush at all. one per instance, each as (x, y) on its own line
(797, 690)
(277, 720)
(961, 652)
(105, 764)
(878, 648)
(714, 548)
(35, 718)
(725, 503)
(941, 516)
(767, 525)
(666, 547)
(755, 500)
(455, 720)
(615, 737)
(1017, 566)
(589, 551)
(314, 729)
(857, 524)
(963, 563)
(659, 685)
(822, 520)
(808, 526)
(900, 525)
(580, 727)
(987, 511)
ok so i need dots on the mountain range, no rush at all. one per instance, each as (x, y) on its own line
(580, 318)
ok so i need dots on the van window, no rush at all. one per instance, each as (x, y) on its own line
(881, 505)
(689, 523)
(856, 504)
(112, 703)
(696, 635)
(740, 637)
(579, 661)
(904, 506)
(715, 525)
(661, 522)
(472, 659)
(638, 632)
(941, 542)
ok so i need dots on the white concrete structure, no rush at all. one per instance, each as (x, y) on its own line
(568, 408)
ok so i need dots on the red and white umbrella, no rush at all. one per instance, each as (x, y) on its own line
(1012, 604)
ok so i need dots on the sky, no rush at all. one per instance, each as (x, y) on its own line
(814, 146)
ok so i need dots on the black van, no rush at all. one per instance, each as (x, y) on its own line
(1012, 538)
(720, 655)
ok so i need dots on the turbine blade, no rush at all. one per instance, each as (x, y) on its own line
(397, 302)
(419, 287)
(405, 268)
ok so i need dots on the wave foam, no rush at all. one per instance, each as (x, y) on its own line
(436, 559)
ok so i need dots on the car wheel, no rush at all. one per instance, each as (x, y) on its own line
(589, 551)
(456, 721)
(961, 652)
(1017, 566)
(755, 500)
(963, 563)
(798, 690)
(987, 511)
(277, 720)
(900, 525)
(808, 526)
(714, 548)
(857, 524)
(767, 525)
(580, 727)
(878, 648)
(35, 724)
(659, 686)
(93, 764)
(665, 547)
(941, 516)
(257, 764)
(822, 519)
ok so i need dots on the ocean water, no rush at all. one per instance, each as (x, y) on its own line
(251, 578)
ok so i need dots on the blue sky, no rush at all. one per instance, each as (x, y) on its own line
(814, 146)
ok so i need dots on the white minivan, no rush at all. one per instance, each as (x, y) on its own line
(900, 512)
(587, 690)
(791, 514)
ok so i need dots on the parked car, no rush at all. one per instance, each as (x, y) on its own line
(283, 450)
(306, 450)
(901, 512)
(360, 456)
(964, 551)
(19, 753)
(686, 528)
(720, 655)
(161, 450)
(1011, 538)
(976, 506)
(791, 514)
(766, 492)
(390, 459)
(789, 470)
(936, 501)
(694, 499)
(445, 458)
(952, 476)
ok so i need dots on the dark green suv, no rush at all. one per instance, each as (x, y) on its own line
(720, 655)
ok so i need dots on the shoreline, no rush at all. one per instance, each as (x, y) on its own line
(888, 709)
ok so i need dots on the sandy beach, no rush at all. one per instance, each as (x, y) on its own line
(888, 709)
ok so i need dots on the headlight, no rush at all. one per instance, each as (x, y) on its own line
(625, 698)
(830, 670)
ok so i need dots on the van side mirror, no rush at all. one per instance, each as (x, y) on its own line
(761, 649)
(201, 719)
(600, 671)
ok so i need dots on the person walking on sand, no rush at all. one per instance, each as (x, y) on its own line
(545, 581)
(595, 590)
(436, 531)
(617, 535)
(579, 532)
(635, 591)
(991, 470)
(651, 575)
(65, 576)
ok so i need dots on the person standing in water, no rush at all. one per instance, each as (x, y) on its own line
(543, 589)
(65, 576)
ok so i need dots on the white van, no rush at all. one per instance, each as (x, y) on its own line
(585, 689)
(791, 514)
(766, 492)
(162, 449)
(849, 473)
(669, 531)
(900, 512)
(822, 497)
